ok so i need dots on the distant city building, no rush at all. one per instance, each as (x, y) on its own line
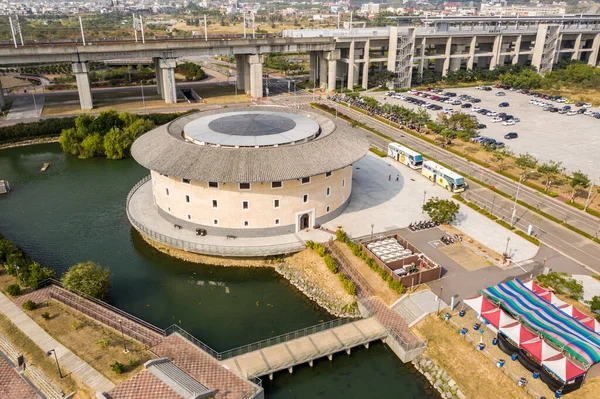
(521, 10)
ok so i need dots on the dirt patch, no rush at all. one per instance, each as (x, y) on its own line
(34, 355)
(313, 266)
(475, 374)
(378, 286)
(464, 256)
(478, 249)
(94, 343)
(9, 82)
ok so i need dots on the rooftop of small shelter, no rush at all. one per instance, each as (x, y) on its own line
(250, 144)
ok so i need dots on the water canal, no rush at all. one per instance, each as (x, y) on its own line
(75, 212)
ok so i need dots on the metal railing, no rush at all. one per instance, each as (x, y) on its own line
(304, 332)
(208, 249)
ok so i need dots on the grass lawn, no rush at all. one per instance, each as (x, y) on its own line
(475, 374)
(95, 343)
(34, 355)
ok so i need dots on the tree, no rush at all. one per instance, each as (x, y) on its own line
(441, 210)
(384, 77)
(106, 121)
(69, 142)
(92, 146)
(526, 162)
(88, 278)
(550, 170)
(116, 144)
(578, 180)
(562, 283)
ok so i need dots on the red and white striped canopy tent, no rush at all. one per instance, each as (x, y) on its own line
(592, 324)
(565, 369)
(551, 298)
(480, 304)
(530, 284)
(517, 333)
(573, 312)
(497, 317)
(539, 349)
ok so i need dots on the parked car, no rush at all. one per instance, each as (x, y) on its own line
(571, 113)
(509, 122)
(496, 119)
(492, 113)
(502, 105)
(501, 93)
(511, 135)
(466, 105)
(581, 111)
(499, 144)
(587, 105)
(553, 109)
(481, 126)
(476, 109)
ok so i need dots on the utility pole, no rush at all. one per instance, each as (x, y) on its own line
(350, 26)
(19, 30)
(135, 28)
(82, 34)
(253, 31)
(339, 20)
(587, 201)
(142, 29)
(205, 30)
(244, 24)
(514, 212)
(143, 99)
(12, 30)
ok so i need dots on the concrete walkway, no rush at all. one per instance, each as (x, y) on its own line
(67, 360)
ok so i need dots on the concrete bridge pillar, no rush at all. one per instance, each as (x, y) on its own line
(496, 52)
(332, 58)
(158, 74)
(351, 65)
(577, 48)
(255, 63)
(365, 74)
(515, 59)
(422, 57)
(240, 67)
(472, 46)
(80, 70)
(323, 66)
(593, 60)
(169, 87)
(446, 65)
(313, 66)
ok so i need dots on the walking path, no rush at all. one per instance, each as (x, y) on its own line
(67, 360)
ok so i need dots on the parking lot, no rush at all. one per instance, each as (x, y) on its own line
(574, 140)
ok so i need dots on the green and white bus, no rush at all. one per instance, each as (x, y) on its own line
(446, 178)
(408, 157)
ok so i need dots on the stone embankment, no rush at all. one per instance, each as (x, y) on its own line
(323, 298)
(41, 140)
(439, 378)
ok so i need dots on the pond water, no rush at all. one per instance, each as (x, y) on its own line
(75, 212)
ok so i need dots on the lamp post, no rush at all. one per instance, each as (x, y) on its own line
(125, 350)
(143, 99)
(17, 269)
(440, 299)
(48, 354)
(506, 250)
(424, 196)
(372, 225)
(514, 212)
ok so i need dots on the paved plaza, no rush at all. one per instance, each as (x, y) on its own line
(573, 140)
(390, 205)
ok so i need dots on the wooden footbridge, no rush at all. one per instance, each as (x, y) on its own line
(266, 358)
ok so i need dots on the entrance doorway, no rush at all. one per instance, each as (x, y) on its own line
(304, 221)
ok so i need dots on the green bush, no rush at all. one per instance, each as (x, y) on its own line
(133, 362)
(330, 263)
(45, 315)
(104, 342)
(529, 238)
(88, 278)
(118, 368)
(378, 152)
(347, 284)
(310, 244)
(397, 286)
(13, 289)
(504, 224)
(320, 249)
(29, 305)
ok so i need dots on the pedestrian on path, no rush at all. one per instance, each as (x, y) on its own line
(397, 177)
